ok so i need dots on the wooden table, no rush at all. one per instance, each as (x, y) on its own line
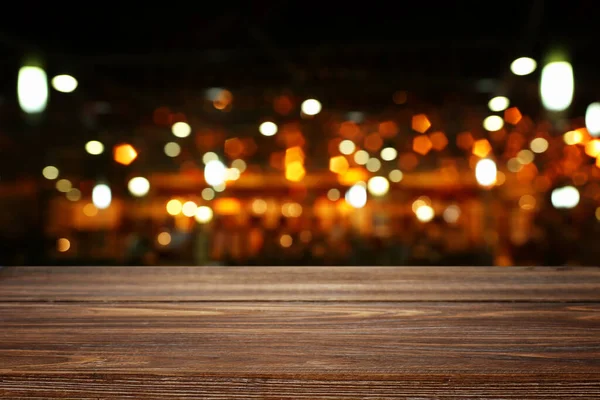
(279, 333)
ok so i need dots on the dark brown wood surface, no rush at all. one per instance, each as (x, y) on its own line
(279, 333)
(299, 284)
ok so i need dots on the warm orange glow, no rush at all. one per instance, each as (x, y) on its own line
(422, 145)
(482, 148)
(592, 148)
(542, 183)
(373, 142)
(598, 162)
(512, 115)
(63, 245)
(464, 140)
(388, 129)
(276, 160)
(294, 154)
(500, 178)
(338, 164)
(283, 105)
(124, 154)
(90, 210)
(295, 171)
(227, 206)
(527, 173)
(420, 123)
(352, 176)
(234, 148)
(498, 136)
(408, 161)
(161, 116)
(349, 130)
(400, 97)
(438, 140)
(585, 136)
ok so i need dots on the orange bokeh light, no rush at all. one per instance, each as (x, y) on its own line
(422, 145)
(124, 154)
(482, 148)
(438, 140)
(512, 115)
(420, 123)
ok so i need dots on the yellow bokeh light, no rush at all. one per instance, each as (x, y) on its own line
(164, 238)
(174, 207)
(259, 206)
(338, 164)
(295, 171)
(573, 137)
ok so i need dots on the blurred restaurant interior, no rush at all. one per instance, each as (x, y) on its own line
(446, 134)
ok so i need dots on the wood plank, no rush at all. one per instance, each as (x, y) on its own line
(224, 350)
(299, 284)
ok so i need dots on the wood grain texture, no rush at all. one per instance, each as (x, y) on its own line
(299, 284)
(306, 333)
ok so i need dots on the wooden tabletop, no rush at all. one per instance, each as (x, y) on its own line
(305, 332)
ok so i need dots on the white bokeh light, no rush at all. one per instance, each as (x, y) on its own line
(204, 214)
(486, 172)
(138, 186)
(64, 83)
(424, 213)
(215, 173)
(311, 107)
(32, 89)
(94, 147)
(493, 123)
(378, 186)
(523, 66)
(181, 129)
(268, 128)
(498, 103)
(592, 119)
(557, 86)
(356, 196)
(565, 197)
(388, 154)
(101, 196)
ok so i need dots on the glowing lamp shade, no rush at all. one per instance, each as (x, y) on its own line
(64, 83)
(138, 186)
(485, 172)
(101, 196)
(592, 119)
(215, 173)
(557, 86)
(32, 89)
(356, 196)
